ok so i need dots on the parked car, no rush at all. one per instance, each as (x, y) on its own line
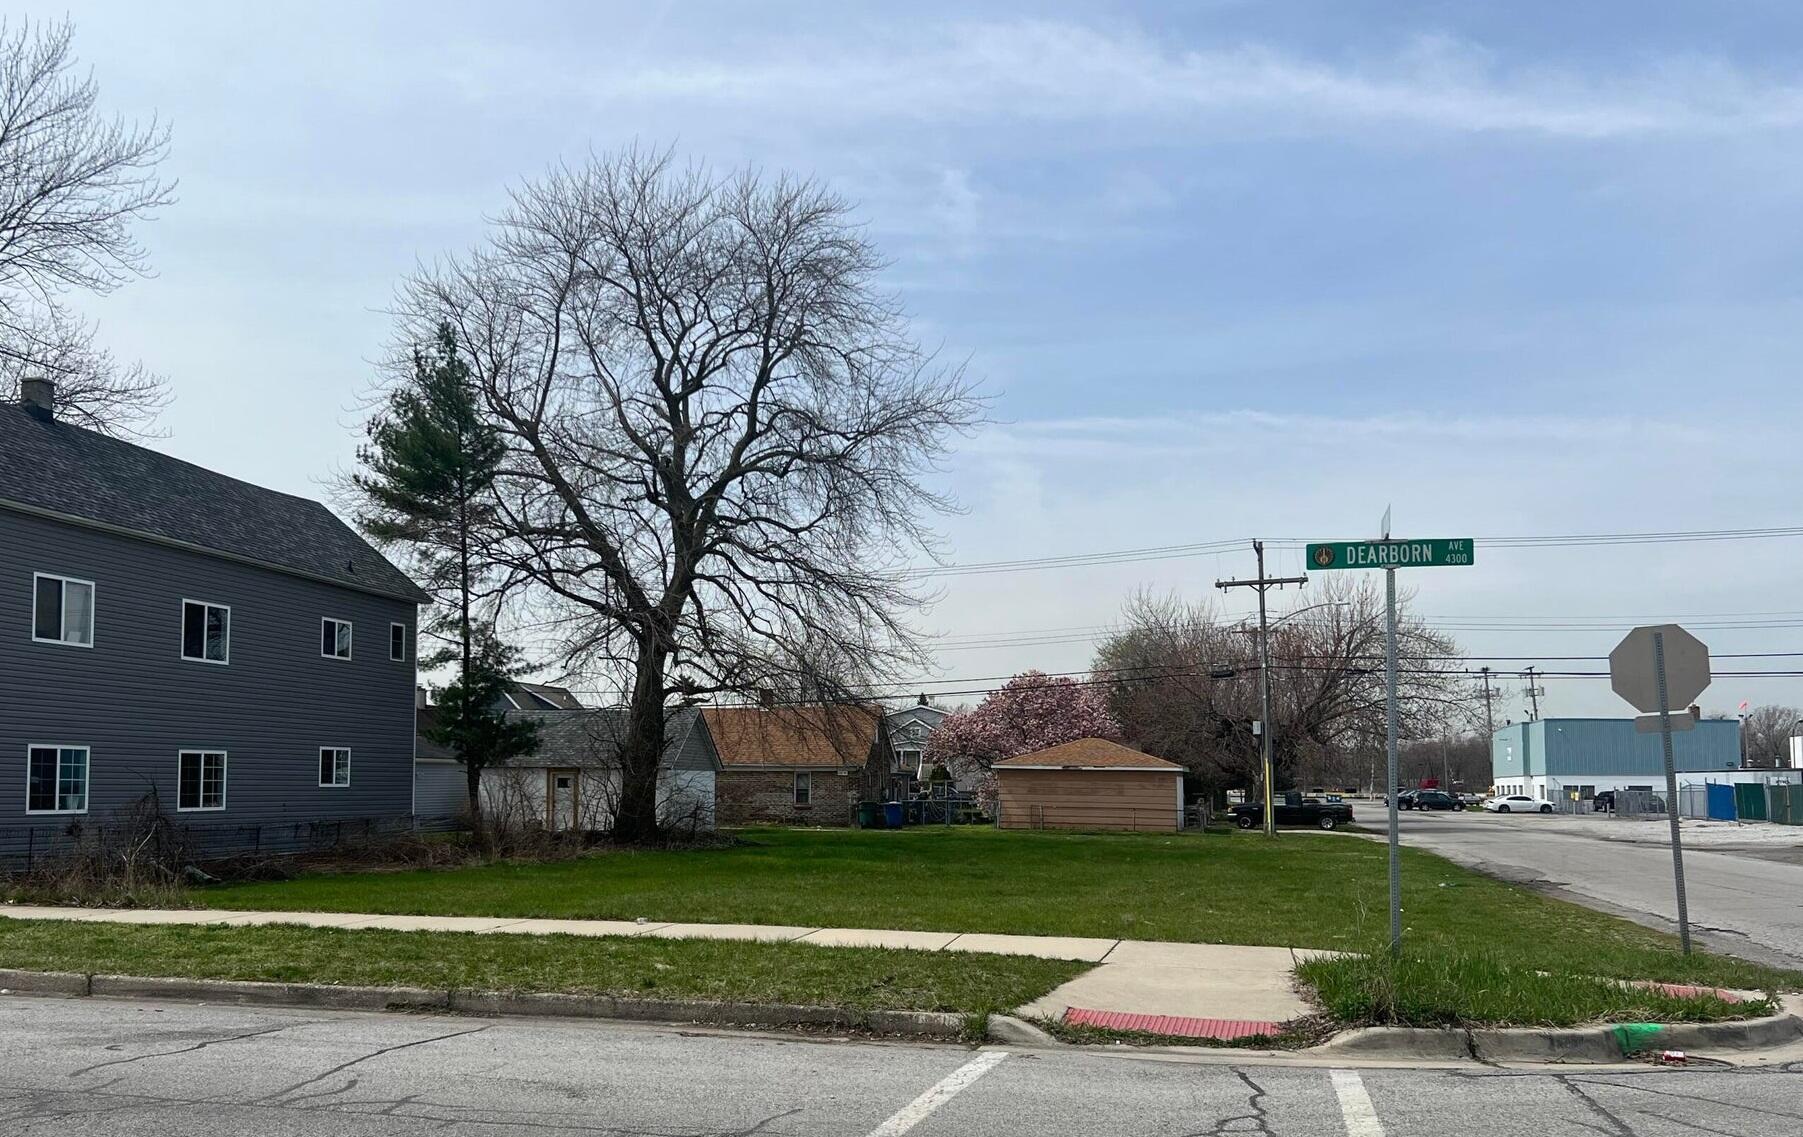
(1604, 802)
(1428, 799)
(1295, 810)
(1517, 803)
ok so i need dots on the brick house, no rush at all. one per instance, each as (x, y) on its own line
(806, 765)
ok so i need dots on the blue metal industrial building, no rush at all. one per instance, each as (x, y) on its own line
(1550, 759)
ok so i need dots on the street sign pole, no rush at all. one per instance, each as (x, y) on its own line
(1671, 791)
(1390, 760)
(1389, 554)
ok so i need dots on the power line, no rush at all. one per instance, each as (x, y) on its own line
(1518, 541)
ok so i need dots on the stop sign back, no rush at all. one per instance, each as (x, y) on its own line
(1634, 675)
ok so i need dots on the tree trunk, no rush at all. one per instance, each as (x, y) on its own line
(484, 839)
(641, 751)
(473, 769)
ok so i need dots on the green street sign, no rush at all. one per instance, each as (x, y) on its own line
(1437, 553)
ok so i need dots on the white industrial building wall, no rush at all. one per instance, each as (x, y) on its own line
(1544, 788)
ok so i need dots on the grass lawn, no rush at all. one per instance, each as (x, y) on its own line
(1304, 889)
(858, 978)
(1453, 989)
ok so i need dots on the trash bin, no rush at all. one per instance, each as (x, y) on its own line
(892, 814)
(870, 815)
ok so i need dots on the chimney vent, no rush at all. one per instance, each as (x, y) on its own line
(38, 395)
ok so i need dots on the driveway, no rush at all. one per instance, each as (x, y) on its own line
(1741, 903)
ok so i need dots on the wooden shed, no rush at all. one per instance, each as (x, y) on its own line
(1089, 784)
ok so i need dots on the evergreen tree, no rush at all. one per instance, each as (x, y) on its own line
(429, 465)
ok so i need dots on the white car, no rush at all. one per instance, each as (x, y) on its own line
(1517, 803)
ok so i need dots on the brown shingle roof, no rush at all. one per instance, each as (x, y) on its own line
(1090, 754)
(837, 737)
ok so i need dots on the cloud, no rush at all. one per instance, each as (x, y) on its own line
(1061, 71)
(1214, 431)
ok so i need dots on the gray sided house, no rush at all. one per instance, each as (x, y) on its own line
(572, 782)
(168, 634)
(910, 730)
(440, 785)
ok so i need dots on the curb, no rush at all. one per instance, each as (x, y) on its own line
(934, 1025)
(1400, 1042)
(1609, 1043)
(1011, 1031)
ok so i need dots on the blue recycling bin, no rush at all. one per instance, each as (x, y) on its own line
(892, 814)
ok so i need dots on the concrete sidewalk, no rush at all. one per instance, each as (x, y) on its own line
(1186, 984)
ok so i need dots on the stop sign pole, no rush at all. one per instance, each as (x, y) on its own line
(1652, 668)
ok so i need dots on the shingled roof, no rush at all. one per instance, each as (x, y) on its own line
(591, 737)
(64, 471)
(1087, 754)
(798, 737)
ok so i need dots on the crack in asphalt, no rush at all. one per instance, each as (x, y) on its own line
(47, 1106)
(1697, 1098)
(202, 1045)
(1261, 1123)
(1611, 1124)
(343, 1066)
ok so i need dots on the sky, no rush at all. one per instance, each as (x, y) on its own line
(1224, 270)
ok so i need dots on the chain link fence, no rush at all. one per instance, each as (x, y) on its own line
(33, 847)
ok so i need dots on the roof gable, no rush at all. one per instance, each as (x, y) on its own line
(63, 471)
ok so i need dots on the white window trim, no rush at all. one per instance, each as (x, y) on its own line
(795, 788)
(401, 658)
(225, 764)
(323, 621)
(93, 608)
(344, 785)
(205, 604)
(87, 775)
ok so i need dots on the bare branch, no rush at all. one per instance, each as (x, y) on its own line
(718, 429)
(72, 183)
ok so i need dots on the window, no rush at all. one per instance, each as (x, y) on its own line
(56, 779)
(908, 760)
(200, 780)
(335, 638)
(62, 610)
(397, 642)
(206, 631)
(334, 766)
(804, 788)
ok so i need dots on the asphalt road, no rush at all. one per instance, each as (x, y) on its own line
(90, 1066)
(1744, 903)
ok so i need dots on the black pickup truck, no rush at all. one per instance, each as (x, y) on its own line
(1294, 809)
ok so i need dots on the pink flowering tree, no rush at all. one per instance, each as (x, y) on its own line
(1031, 712)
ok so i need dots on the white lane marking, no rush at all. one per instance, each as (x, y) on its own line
(916, 1111)
(1355, 1105)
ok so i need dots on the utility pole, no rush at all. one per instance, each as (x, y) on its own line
(1489, 719)
(1533, 694)
(1262, 585)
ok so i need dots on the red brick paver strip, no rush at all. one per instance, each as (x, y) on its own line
(1221, 1030)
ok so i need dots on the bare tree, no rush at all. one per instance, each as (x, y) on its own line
(73, 184)
(716, 429)
(1765, 735)
(1184, 685)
